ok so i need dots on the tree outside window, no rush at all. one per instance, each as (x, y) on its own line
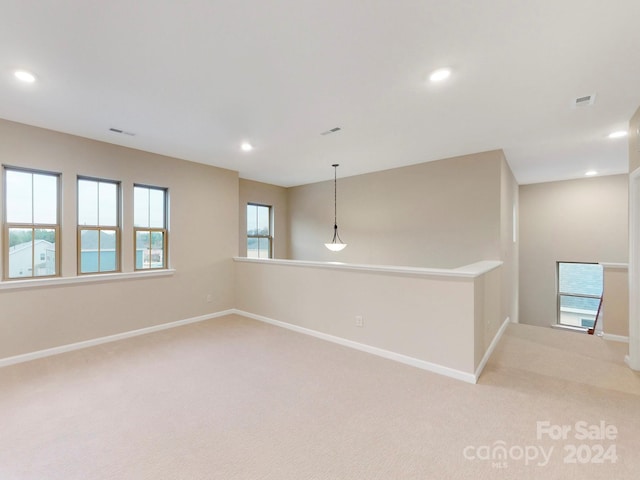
(150, 227)
(259, 231)
(32, 228)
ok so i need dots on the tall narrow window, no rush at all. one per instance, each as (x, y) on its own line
(150, 227)
(31, 223)
(98, 225)
(579, 293)
(259, 231)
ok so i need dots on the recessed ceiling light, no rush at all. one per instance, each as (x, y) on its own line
(24, 76)
(618, 134)
(440, 75)
(590, 173)
(246, 147)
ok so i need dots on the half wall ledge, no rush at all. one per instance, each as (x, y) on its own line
(472, 270)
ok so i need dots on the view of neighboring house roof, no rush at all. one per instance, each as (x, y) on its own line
(22, 246)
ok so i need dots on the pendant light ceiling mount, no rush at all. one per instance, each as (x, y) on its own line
(336, 243)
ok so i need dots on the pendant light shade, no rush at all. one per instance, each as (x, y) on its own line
(336, 243)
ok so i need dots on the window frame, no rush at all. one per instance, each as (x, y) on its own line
(7, 226)
(151, 230)
(560, 294)
(258, 237)
(99, 228)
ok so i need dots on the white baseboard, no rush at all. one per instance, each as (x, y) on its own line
(398, 357)
(615, 338)
(492, 347)
(4, 362)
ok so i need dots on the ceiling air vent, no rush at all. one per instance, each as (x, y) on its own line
(333, 130)
(123, 132)
(585, 101)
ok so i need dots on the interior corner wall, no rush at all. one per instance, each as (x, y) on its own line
(273, 196)
(509, 243)
(441, 214)
(634, 142)
(581, 220)
(634, 241)
(615, 304)
(203, 238)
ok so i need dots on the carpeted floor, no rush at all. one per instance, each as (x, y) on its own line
(233, 398)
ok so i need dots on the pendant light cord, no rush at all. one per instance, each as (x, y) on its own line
(335, 203)
(335, 196)
(336, 244)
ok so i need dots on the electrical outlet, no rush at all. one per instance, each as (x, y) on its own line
(209, 298)
(359, 321)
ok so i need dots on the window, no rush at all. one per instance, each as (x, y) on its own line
(98, 225)
(150, 227)
(259, 231)
(579, 293)
(31, 223)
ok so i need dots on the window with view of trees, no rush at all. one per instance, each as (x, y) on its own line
(98, 225)
(31, 223)
(150, 227)
(259, 231)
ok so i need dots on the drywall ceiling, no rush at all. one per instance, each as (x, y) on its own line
(193, 79)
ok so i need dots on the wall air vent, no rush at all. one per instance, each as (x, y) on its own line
(123, 132)
(333, 130)
(585, 101)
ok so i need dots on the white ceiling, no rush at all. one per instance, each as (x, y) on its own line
(194, 78)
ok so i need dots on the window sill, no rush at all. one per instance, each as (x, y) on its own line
(83, 279)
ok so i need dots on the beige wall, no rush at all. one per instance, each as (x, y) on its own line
(488, 317)
(203, 239)
(577, 220)
(438, 214)
(265, 194)
(615, 301)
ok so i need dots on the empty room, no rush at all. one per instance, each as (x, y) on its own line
(319, 240)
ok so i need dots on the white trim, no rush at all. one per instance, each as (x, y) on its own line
(398, 357)
(621, 266)
(491, 348)
(615, 338)
(98, 277)
(5, 362)
(468, 271)
(634, 270)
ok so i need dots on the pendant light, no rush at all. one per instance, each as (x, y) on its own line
(336, 244)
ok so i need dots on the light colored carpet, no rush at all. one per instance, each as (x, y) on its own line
(232, 398)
